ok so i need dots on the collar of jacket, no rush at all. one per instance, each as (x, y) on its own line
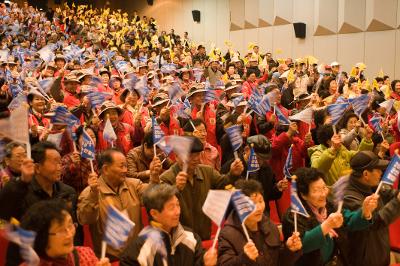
(196, 174)
(264, 226)
(364, 189)
(104, 188)
(37, 188)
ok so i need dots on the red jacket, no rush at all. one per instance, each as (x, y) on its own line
(284, 111)
(173, 128)
(70, 100)
(127, 137)
(248, 86)
(210, 118)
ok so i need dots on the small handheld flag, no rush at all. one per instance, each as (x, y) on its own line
(306, 116)
(117, 229)
(338, 191)
(175, 92)
(87, 150)
(288, 164)
(158, 134)
(63, 116)
(252, 164)
(235, 136)
(215, 207)
(360, 104)
(244, 206)
(336, 111)
(155, 243)
(376, 123)
(391, 173)
(181, 147)
(97, 98)
(109, 133)
(388, 105)
(295, 203)
(282, 119)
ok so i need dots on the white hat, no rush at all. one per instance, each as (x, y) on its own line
(334, 63)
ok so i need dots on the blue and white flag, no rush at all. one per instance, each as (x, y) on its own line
(305, 116)
(376, 123)
(360, 104)
(109, 133)
(198, 73)
(295, 202)
(130, 83)
(210, 95)
(339, 187)
(45, 84)
(158, 134)
(288, 164)
(388, 105)
(121, 66)
(244, 206)
(141, 87)
(181, 146)
(153, 245)
(88, 150)
(97, 98)
(175, 92)
(252, 164)
(63, 116)
(336, 111)
(260, 105)
(15, 88)
(118, 228)
(216, 204)
(47, 54)
(237, 100)
(392, 171)
(235, 136)
(282, 119)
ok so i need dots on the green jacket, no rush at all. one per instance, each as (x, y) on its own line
(335, 164)
(192, 197)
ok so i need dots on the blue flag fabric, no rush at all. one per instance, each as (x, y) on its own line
(392, 171)
(118, 228)
(237, 100)
(282, 119)
(210, 95)
(295, 202)
(336, 111)
(360, 104)
(235, 136)
(88, 151)
(288, 164)
(175, 92)
(252, 164)
(339, 188)
(158, 134)
(259, 104)
(109, 133)
(45, 84)
(63, 116)
(376, 123)
(244, 206)
(97, 98)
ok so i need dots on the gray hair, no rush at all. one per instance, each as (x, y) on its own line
(156, 196)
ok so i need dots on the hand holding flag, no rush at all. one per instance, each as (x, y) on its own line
(244, 207)
(391, 173)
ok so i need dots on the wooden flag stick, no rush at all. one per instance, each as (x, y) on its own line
(216, 237)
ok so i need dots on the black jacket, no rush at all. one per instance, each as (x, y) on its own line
(232, 240)
(183, 248)
(371, 247)
(265, 176)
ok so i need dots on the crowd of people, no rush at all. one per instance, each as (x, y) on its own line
(121, 77)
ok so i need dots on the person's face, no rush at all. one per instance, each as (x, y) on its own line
(50, 168)
(185, 76)
(397, 87)
(333, 87)
(201, 133)
(38, 103)
(193, 162)
(252, 77)
(132, 99)
(105, 78)
(142, 71)
(231, 70)
(116, 84)
(91, 134)
(116, 171)
(18, 154)
(335, 69)
(169, 216)
(112, 115)
(256, 49)
(214, 65)
(372, 178)
(60, 64)
(317, 193)
(61, 237)
(257, 215)
(351, 123)
(198, 98)
(71, 86)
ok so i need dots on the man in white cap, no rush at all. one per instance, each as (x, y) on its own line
(335, 67)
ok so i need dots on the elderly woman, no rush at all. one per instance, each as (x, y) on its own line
(350, 131)
(322, 233)
(38, 124)
(265, 247)
(134, 113)
(55, 234)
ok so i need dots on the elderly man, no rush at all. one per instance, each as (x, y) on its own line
(112, 187)
(194, 186)
(14, 156)
(181, 244)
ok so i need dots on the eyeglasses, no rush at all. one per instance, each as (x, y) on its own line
(63, 232)
(321, 190)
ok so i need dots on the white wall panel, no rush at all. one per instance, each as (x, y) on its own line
(351, 49)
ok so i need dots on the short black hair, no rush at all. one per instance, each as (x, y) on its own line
(106, 157)
(39, 217)
(196, 122)
(79, 132)
(324, 134)
(393, 84)
(148, 139)
(249, 187)
(306, 176)
(39, 150)
(155, 197)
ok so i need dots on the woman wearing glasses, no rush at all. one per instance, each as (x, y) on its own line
(54, 242)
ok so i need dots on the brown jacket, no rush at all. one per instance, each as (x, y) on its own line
(192, 197)
(138, 167)
(92, 209)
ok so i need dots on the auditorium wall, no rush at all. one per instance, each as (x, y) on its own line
(348, 31)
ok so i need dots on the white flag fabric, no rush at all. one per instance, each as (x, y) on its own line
(118, 228)
(180, 145)
(216, 203)
(109, 133)
(16, 126)
(305, 116)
